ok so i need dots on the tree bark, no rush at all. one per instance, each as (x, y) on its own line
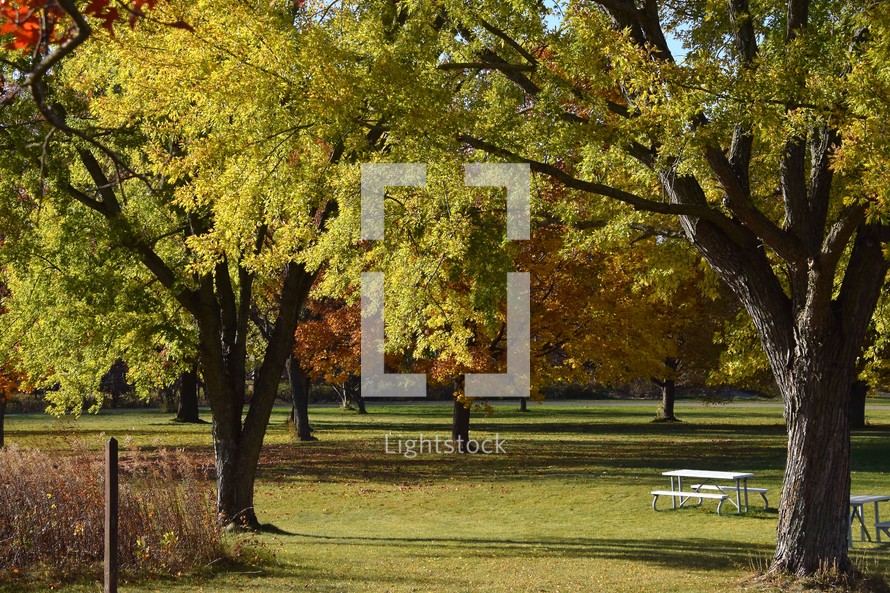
(188, 397)
(858, 393)
(3, 402)
(300, 386)
(460, 426)
(813, 515)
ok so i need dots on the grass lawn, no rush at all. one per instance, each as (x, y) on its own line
(566, 509)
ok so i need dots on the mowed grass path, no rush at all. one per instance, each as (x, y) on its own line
(566, 509)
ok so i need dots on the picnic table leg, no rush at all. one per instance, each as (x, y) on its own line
(866, 536)
(850, 531)
(859, 513)
(877, 520)
(738, 496)
(746, 494)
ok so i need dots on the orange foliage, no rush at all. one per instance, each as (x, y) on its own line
(35, 23)
(10, 381)
(328, 343)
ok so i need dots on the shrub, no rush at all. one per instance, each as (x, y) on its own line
(52, 513)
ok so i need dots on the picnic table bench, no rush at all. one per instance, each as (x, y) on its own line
(685, 496)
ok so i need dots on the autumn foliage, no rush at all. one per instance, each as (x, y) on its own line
(328, 342)
(37, 24)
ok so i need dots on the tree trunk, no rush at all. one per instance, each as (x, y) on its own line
(668, 394)
(812, 334)
(300, 386)
(188, 397)
(2, 420)
(814, 512)
(168, 397)
(235, 479)
(460, 426)
(858, 392)
(353, 389)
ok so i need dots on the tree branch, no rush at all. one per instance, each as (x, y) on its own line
(503, 67)
(638, 202)
(226, 296)
(109, 208)
(509, 41)
(837, 237)
(822, 145)
(739, 203)
(794, 187)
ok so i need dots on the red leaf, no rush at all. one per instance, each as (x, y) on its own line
(22, 24)
(96, 7)
(101, 10)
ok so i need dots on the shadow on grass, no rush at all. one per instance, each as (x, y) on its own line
(692, 553)
(584, 460)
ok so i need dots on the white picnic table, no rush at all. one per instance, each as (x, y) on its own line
(709, 480)
(857, 502)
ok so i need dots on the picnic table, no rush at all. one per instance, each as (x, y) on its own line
(857, 502)
(709, 481)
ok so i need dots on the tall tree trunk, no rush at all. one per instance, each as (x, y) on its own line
(300, 386)
(188, 397)
(814, 513)
(460, 426)
(858, 393)
(3, 401)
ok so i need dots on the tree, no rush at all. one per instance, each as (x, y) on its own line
(158, 155)
(114, 382)
(766, 144)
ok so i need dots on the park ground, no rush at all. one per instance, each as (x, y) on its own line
(566, 508)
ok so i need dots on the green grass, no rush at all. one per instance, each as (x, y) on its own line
(567, 509)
